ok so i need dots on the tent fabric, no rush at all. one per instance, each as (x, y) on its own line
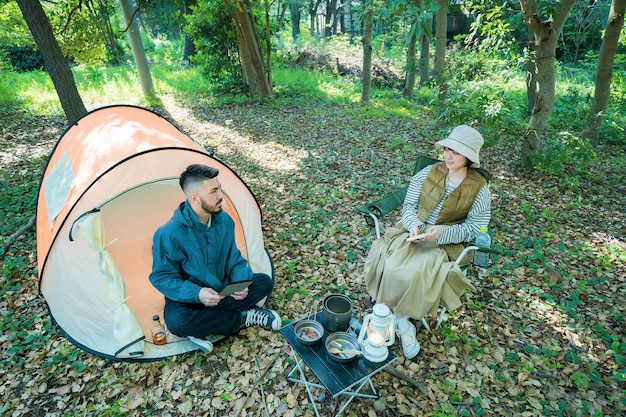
(110, 182)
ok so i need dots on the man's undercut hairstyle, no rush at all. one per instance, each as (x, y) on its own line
(195, 175)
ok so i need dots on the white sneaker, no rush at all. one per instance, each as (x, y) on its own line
(262, 317)
(410, 345)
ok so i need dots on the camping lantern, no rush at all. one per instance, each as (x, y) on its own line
(377, 333)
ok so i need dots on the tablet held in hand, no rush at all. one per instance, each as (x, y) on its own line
(235, 287)
(417, 237)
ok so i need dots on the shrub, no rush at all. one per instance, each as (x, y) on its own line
(24, 58)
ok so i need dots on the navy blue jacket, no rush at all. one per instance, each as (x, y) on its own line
(187, 255)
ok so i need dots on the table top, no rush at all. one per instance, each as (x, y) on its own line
(336, 377)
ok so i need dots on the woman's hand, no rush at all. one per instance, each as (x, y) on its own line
(209, 297)
(434, 232)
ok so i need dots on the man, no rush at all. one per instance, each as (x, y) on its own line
(195, 256)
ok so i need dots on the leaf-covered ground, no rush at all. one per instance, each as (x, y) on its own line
(544, 333)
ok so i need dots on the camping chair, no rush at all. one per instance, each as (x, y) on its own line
(373, 212)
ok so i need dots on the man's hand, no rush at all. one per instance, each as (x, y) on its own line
(209, 297)
(240, 295)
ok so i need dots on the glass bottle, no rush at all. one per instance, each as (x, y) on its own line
(483, 240)
(158, 331)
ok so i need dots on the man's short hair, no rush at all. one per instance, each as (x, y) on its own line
(196, 174)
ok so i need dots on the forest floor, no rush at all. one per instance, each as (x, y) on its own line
(543, 334)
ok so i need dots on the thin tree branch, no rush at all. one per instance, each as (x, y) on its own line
(245, 400)
(19, 232)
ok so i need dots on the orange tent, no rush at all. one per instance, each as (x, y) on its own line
(110, 182)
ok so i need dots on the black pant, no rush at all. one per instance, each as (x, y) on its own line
(195, 319)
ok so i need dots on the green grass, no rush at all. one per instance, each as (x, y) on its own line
(497, 92)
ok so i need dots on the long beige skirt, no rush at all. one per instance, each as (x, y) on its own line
(413, 279)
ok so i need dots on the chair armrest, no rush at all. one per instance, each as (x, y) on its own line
(379, 208)
(386, 204)
(465, 252)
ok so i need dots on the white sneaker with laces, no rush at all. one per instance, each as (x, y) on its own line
(262, 317)
(410, 345)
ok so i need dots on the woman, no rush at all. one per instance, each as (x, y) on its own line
(411, 268)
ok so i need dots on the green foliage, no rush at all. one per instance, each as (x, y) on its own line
(301, 86)
(211, 27)
(8, 90)
(162, 18)
(566, 156)
(17, 203)
(14, 30)
(485, 91)
(24, 58)
(495, 29)
(582, 30)
(79, 30)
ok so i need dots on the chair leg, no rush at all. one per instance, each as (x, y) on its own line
(376, 225)
(441, 315)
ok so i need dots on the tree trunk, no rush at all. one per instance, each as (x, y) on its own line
(368, 20)
(439, 63)
(531, 80)
(425, 56)
(248, 80)
(250, 50)
(268, 42)
(295, 19)
(313, 5)
(346, 19)
(190, 47)
(331, 11)
(100, 11)
(280, 16)
(545, 36)
(139, 53)
(56, 64)
(411, 66)
(604, 71)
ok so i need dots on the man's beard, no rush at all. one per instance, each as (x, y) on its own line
(209, 209)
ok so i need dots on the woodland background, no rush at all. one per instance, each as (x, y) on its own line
(543, 334)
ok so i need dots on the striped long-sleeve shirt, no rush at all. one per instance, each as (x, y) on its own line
(477, 217)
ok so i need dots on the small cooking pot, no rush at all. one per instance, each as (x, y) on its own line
(342, 341)
(308, 332)
(337, 312)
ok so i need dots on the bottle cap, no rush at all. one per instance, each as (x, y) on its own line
(155, 317)
(484, 229)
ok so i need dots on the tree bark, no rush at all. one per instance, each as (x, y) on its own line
(268, 41)
(295, 19)
(56, 64)
(531, 81)
(368, 20)
(545, 35)
(425, 55)
(346, 19)
(411, 66)
(139, 53)
(604, 71)
(313, 6)
(250, 49)
(441, 40)
(330, 18)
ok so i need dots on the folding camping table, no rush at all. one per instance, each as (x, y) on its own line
(337, 378)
